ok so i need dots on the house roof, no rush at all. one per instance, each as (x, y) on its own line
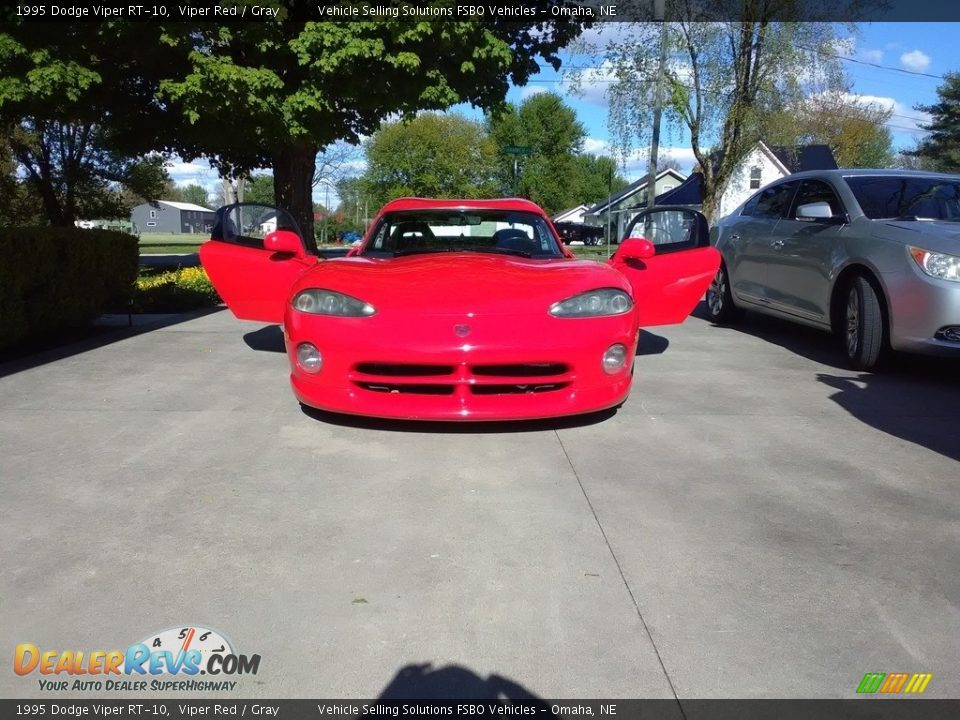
(805, 157)
(689, 192)
(569, 211)
(184, 206)
(631, 189)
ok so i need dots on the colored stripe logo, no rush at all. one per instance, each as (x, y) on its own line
(894, 683)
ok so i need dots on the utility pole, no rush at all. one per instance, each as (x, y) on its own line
(659, 12)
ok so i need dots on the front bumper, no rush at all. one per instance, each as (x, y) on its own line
(504, 368)
(919, 306)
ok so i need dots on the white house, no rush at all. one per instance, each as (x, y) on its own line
(762, 165)
(621, 207)
(574, 215)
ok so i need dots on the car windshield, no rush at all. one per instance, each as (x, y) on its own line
(907, 197)
(500, 232)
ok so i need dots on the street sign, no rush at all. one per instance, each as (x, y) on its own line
(517, 149)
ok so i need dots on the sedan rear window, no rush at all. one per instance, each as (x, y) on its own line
(907, 197)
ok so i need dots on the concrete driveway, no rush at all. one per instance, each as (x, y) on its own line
(757, 521)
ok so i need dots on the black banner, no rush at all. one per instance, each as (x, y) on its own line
(587, 11)
(178, 709)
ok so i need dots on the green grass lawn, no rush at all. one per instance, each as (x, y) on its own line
(171, 242)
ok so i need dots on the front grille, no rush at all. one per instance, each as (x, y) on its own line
(396, 389)
(403, 369)
(520, 370)
(516, 389)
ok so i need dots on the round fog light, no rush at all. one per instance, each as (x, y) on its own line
(614, 358)
(309, 358)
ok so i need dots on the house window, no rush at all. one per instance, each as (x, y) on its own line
(667, 188)
(754, 178)
(150, 224)
(153, 214)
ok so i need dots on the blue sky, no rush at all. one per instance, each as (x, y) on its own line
(922, 49)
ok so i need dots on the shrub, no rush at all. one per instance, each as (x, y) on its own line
(54, 279)
(174, 291)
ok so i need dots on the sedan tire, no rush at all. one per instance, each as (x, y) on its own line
(863, 327)
(720, 305)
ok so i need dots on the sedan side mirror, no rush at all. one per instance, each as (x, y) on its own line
(636, 248)
(816, 211)
(283, 241)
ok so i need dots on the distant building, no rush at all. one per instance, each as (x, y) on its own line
(624, 205)
(574, 215)
(167, 216)
(761, 166)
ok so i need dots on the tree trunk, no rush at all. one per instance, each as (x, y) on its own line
(293, 168)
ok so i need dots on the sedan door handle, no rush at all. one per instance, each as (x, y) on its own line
(777, 244)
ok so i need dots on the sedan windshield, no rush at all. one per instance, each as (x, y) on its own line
(481, 231)
(907, 197)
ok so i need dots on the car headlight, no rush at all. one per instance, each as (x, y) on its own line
(328, 302)
(606, 301)
(938, 265)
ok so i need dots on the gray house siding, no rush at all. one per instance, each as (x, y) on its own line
(161, 218)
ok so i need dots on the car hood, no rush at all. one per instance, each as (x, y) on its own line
(936, 235)
(459, 283)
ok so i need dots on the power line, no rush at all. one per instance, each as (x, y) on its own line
(912, 130)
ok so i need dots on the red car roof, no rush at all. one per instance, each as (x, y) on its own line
(415, 203)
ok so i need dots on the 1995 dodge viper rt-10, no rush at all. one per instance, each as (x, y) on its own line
(459, 309)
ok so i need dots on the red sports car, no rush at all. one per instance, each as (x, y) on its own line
(459, 309)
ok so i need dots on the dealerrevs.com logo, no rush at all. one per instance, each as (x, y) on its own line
(152, 664)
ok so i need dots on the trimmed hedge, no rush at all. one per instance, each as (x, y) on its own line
(54, 279)
(175, 291)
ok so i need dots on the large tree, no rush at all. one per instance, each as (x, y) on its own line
(722, 79)
(273, 94)
(854, 129)
(940, 149)
(265, 94)
(431, 155)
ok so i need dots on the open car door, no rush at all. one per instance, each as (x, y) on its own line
(669, 262)
(255, 254)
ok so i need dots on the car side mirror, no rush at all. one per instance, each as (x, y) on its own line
(636, 248)
(283, 241)
(815, 211)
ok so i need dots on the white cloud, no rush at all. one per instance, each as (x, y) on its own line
(596, 146)
(532, 90)
(915, 60)
(904, 117)
(874, 56)
(590, 85)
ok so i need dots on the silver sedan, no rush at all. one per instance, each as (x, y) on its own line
(871, 255)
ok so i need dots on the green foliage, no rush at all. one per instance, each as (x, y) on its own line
(56, 279)
(430, 156)
(854, 131)
(262, 94)
(940, 150)
(174, 291)
(196, 194)
(259, 189)
(555, 174)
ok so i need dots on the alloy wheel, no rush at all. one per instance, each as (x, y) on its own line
(853, 322)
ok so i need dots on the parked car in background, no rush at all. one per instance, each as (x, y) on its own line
(872, 255)
(571, 232)
(460, 309)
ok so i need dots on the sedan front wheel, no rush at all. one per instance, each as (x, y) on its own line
(720, 305)
(863, 325)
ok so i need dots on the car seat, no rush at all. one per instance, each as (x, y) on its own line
(515, 239)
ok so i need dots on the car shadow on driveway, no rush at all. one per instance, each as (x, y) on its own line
(453, 682)
(919, 408)
(913, 397)
(71, 343)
